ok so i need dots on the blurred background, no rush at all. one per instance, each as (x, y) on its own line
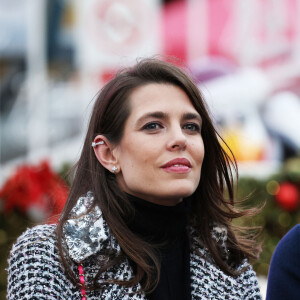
(55, 55)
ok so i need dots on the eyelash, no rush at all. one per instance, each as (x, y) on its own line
(148, 125)
(196, 127)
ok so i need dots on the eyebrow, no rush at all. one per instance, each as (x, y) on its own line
(162, 115)
(191, 116)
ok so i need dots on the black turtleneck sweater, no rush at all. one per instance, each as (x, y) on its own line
(166, 226)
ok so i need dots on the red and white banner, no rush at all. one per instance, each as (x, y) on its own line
(248, 32)
(116, 32)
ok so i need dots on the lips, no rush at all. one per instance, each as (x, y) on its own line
(177, 161)
(177, 165)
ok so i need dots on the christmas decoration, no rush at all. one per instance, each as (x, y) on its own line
(288, 196)
(279, 194)
(34, 190)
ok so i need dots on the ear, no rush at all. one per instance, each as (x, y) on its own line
(105, 154)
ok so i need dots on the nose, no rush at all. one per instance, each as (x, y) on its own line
(177, 140)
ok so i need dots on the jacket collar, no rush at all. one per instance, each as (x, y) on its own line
(86, 232)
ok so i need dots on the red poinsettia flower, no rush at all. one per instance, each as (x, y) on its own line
(34, 189)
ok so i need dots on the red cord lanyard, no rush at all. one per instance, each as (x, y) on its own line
(82, 281)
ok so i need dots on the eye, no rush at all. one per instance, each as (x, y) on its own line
(192, 127)
(152, 126)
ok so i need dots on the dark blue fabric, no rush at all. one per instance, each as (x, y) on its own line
(284, 273)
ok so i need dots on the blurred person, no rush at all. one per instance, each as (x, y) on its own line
(284, 273)
(146, 216)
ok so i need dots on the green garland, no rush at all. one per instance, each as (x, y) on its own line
(280, 195)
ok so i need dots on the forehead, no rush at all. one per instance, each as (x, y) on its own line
(159, 97)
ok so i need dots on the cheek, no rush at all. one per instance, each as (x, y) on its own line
(137, 174)
(134, 161)
(202, 154)
(198, 151)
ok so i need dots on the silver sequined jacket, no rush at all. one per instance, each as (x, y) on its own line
(35, 270)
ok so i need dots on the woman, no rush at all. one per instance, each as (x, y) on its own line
(146, 216)
(284, 273)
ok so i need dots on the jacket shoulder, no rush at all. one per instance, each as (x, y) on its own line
(35, 271)
(210, 281)
(35, 235)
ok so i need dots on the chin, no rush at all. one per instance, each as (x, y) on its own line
(182, 191)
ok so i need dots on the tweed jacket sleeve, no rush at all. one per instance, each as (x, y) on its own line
(35, 271)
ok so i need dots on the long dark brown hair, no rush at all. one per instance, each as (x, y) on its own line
(209, 204)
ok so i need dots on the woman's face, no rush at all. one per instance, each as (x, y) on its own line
(161, 152)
